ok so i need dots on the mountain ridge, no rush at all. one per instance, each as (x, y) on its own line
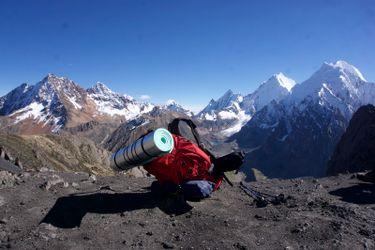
(58, 102)
(296, 136)
(231, 111)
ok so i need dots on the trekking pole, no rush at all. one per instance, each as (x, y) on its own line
(262, 199)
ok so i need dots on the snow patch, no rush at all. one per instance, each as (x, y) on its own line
(33, 110)
(74, 102)
(242, 120)
(284, 81)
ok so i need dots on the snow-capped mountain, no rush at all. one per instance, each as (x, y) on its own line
(172, 105)
(296, 136)
(338, 85)
(226, 107)
(49, 104)
(111, 103)
(57, 102)
(275, 88)
(231, 111)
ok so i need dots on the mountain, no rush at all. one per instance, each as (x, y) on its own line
(111, 103)
(297, 135)
(58, 102)
(224, 114)
(356, 149)
(338, 85)
(48, 105)
(275, 88)
(231, 111)
(172, 105)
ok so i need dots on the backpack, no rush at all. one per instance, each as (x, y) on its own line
(190, 166)
(186, 162)
(187, 129)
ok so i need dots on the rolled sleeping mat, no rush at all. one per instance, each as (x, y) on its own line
(145, 149)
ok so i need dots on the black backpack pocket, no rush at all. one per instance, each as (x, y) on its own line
(229, 162)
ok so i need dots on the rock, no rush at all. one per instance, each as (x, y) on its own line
(7, 179)
(142, 224)
(44, 169)
(9, 166)
(92, 178)
(356, 149)
(365, 232)
(258, 175)
(240, 246)
(259, 217)
(18, 163)
(2, 153)
(25, 175)
(4, 221)
(2, 201)
(168, 245)
(8, 157)
(56, 179)
(137, 172)
(75, 185)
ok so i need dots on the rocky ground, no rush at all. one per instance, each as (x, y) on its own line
(54, 210)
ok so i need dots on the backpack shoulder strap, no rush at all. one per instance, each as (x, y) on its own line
(174, 129)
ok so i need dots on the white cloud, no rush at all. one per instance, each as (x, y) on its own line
(145, 97)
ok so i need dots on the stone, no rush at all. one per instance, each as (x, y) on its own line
(92, 178)
(43, 169)
(50, 183)
(240, 246)
(168, 245)
(2, 152)
(75, 185)
(2, 201)
(18, 163)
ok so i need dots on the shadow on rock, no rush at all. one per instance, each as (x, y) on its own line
(69, 211)
(359, 194)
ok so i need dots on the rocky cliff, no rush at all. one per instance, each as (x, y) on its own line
(356, 148)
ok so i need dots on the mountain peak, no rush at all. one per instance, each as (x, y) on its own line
(52, 81)
(229, 92)
(171, 102)
(284, 81)
(100, 87)
(343, 67)
(172, 105)
(51, 76)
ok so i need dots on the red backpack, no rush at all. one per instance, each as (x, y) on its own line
(190, 159)
(186, 162)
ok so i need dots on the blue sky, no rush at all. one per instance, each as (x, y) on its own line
(191, 50)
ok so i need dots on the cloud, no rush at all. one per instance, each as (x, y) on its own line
(145, 97)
